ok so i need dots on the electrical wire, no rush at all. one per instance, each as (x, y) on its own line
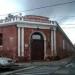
(54, 5)
(58, 4)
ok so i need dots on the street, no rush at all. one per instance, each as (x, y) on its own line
(62, 67)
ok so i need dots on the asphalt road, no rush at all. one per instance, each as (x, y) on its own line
(64, 67)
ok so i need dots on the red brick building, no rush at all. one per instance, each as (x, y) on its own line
(32, 37)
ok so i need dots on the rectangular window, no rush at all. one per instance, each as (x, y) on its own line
(1, 39)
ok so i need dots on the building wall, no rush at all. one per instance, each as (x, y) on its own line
(10, 42)
(64, 47)
(9, 46)
(56, 43)
(27, 35)
(59, 43)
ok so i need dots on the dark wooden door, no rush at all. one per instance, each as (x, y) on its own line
(37, 49)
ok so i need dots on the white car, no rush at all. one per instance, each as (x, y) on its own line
(6, 63)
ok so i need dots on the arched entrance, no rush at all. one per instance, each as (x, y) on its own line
(37, 46)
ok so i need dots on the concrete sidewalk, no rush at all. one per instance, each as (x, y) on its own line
(59, 62)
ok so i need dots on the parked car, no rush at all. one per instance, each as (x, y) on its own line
(6, 63)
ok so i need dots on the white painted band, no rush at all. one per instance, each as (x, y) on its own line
(22, 41)
(55, 42)
(52, 42)
(18, 41)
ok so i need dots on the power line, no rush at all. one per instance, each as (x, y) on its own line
(33, 9)
(58, 4)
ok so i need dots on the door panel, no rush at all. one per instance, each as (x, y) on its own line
(37, 49)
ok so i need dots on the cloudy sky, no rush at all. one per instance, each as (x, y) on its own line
(64, 14)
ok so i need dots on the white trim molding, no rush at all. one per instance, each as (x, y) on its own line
(30, 24)
(22, 41)
(55, 52)
(53, 41)
(19, 47)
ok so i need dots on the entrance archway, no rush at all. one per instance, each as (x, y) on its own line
(37, 46)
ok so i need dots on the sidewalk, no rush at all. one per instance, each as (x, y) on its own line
(59, 62)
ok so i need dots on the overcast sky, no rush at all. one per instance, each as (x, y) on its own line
(63, 14)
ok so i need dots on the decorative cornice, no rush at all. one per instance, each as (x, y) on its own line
(30, 24)
(21, 21)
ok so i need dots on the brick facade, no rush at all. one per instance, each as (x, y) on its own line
(9, 47)
(27, 36)
(17, 39)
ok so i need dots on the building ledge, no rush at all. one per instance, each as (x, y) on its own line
(22, 19)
